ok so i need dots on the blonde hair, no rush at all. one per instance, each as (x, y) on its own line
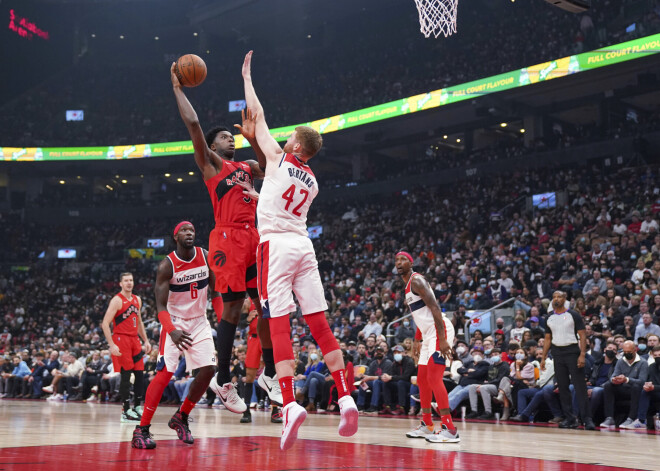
(310, 140)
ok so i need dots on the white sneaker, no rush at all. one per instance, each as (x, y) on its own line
(92, 398)
(422, 431)
(348, 424)
(443, 436)
(47, 389)
(58, 397)
(229, 396)
(272, 387)
(608, 423)
(293, 415)
(95, 389)
(633, 425)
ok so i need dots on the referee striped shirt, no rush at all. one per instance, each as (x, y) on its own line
(564, 328)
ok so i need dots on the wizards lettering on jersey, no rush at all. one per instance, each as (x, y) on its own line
(302, 176)
(191, 277)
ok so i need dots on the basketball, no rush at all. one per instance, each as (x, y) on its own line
(190, 70)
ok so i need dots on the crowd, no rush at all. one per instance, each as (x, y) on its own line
(380, 68)
(602, 248)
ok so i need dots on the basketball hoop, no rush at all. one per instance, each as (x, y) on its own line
(437, 16)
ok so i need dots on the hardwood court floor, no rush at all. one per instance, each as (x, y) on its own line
(37, 436)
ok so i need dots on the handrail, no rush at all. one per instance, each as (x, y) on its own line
(389, 326)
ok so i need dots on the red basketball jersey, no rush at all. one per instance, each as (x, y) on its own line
(229, 203)
(125, 321)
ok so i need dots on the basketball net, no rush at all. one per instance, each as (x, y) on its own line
(437, 16)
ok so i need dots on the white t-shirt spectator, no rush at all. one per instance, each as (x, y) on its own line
(647, 225)
(619, 228)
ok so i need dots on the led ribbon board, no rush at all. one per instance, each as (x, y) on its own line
(550, 70)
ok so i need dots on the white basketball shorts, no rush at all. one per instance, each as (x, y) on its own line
(200, 353)
(430, 345)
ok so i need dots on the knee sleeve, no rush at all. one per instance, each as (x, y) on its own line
(280, 334)
(320, 330)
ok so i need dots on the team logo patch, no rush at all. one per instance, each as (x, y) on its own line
(219, 258)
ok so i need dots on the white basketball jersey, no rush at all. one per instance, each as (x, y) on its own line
(188, 286)
(424, 317)
(285, 198)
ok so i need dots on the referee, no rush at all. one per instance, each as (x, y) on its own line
(561, 338)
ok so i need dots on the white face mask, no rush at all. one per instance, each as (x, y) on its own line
(477, 358)
(460, 350)
(314, 356)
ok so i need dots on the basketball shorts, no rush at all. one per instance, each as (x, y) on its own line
(430, 345)
(131, 353)
(200, 353)
(232, 257)
(285, 265)
(253, 355)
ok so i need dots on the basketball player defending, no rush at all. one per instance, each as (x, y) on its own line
(437, 337)
(286, 262)
(183, 282)
(232, 243)
(127, 355)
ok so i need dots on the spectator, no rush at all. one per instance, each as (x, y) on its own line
(489, 388)
(475, 372)
(372, 380)
(397, 381)
(647, 327)
(627, 381)
(595, 281)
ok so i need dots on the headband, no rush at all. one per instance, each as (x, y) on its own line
(405, 254)
(180, 225)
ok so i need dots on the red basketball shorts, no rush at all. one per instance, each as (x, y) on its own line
(131, 353)
(232, 257)
(253, 355)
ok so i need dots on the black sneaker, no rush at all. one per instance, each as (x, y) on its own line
(569, 423)
(247, 417)
(472, 415)
(142, 438)
(179, 423)
(486, 416)
(276, 415)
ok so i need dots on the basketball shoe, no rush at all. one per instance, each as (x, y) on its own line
(348, 424)
(247, 417)
(272, 387)
(443, 436)
(179, 423)
(293, 415)
(276, 415)
(130, 416)
(422, 431)
(142, 438)
(229, 396)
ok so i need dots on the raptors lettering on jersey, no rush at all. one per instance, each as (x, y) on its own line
(230, 205)
(286, 196)
(125, 321)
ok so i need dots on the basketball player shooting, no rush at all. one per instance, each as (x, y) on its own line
(183, 283)
(287, 263)
(437, 337)
(233, 242)
(127, 355)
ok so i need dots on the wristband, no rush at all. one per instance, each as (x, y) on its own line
(218, 305)
(166, 321)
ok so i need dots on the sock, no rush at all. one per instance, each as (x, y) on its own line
(269, 361)
(138, 388)
(187, 406)
(435, 378)
(247, 394)
(125, 388)
(154, 393)
(425, 394)
(288, 387)
(340, 383)
(226, 333)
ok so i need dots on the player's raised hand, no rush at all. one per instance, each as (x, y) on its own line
(249, 126)
(181, 339)
(175, 79)
(247, 66)
(248, 190)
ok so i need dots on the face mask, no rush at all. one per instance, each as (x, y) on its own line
(552, 254)
(479, 294)
(519, 262)
(379, 356)
(477, 358)
(398, 357)
(520, 356)
(629, 356)
(496, 359)
(460, 350)
(487, 352)
(611, 354)
(314, 356)
(644, 252)
(585, 271)
(406, 323)
(654, 292)
(106, 357)
(638, 291)
(641, 347)
(483, 285)
(633, 257)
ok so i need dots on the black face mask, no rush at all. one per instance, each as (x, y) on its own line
(629, 356)
(610, 354)
(379, 356)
